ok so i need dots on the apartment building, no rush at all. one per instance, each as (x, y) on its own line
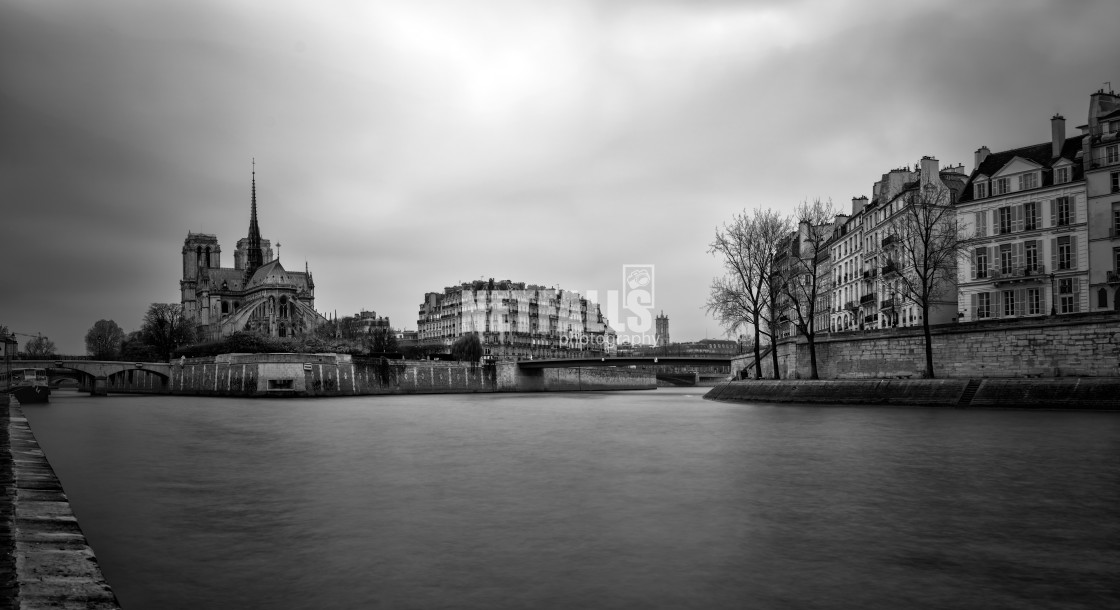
(849, 276)
(1101, 147)
(1025, 211)
(513, 319)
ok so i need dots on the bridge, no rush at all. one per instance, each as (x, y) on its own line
(677, 370)
(97, 376)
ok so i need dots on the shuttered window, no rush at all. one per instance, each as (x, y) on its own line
(1030, 216)
(981, 224)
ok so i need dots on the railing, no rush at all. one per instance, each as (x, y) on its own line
(1112, 277)
(1021, 272)
(1103, 159)
(889, 268)
(867, 298)
(890, 239)
(850, 305)
(886, 304)
(871, 318)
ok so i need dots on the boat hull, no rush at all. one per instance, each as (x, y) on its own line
(27, 394)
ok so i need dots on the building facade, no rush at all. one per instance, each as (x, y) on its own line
(257, 294)
(513, 319)
(1026, 213)
(1101, 148)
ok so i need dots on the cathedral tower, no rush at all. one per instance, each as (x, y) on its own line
(255, 256)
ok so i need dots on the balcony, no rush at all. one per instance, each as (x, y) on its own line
(1019, 275)
(867, 298)
(871, 318)
(887, 304)
(870, 275)
(1112, 277)
(889, 268)
(850, 305)
(889, 240)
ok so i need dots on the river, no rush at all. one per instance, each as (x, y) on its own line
(654, 499)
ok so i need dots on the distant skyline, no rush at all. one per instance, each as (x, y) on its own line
(406, 146)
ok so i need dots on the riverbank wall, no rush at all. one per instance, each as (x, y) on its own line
(1076, 345)
(46, 561)
(341, 375)
(1066, 393)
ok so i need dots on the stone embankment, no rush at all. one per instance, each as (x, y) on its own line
(46, 562)
(1064, 393)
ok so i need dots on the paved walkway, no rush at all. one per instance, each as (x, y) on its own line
(46, 561)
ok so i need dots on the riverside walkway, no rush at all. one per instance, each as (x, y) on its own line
(45, 561)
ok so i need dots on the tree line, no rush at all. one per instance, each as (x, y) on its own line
(777, 269)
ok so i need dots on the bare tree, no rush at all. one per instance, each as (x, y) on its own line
(742, 296)
(103, 341)
(806, 268)
(166, 328)
(924, 251)
(39, 347)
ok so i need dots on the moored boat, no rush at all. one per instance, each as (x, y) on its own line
(29, 385)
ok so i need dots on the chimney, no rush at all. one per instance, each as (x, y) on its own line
(981, 154)
(857, 204)
(929, 169)
(1058, 133)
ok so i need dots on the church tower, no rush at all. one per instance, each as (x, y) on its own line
(255, 256)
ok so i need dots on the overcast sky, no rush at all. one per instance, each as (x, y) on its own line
(406, 146)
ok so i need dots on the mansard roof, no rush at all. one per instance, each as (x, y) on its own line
(1036, 153)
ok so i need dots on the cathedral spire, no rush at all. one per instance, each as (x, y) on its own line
(255, 254)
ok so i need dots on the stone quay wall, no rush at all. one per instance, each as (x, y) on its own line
(46, 561)
(339, 375)
(1064, 393)
(1080, 345)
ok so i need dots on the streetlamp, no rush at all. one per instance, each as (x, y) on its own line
(1053, 296)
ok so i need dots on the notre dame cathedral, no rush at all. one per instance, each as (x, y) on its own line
(257, 294)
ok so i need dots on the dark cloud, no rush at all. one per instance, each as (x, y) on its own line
(402, 147)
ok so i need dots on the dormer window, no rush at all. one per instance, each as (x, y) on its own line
(981, 190)
(1002, 187)
(1061, 175)
(1028, 181)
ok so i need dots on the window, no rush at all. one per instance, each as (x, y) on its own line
(1030, 216)
(983, 305)
(1112, 154)
(981, 190)
(1061, 175)
(1065, 253)
(981, 223)
(1005, 259)
(980, 255)
(1030, 253)
(1115, 177)
(1115, 222)
(1003, 186)
(1034, 301)
(1067, 299)
(225, 306)
(1062, 211)
(1008, 302)
(1028, 181)
(1005, 220)
(1102, 298)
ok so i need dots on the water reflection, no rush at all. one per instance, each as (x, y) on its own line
(648, 499)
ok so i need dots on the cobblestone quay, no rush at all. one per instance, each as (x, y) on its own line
(46, 561)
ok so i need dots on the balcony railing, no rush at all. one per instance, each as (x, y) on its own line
(867, 298)
(1020, 274)
(889, 268)
(890, 239)
(886, 304)
(850, 305)
(1112, 277)
(871, 318)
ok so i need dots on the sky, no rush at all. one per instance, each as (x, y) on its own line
(402, 147)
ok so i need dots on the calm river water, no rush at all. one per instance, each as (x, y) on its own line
(601, 500)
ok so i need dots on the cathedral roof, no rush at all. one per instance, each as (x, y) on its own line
(274, 274)
(225, 279)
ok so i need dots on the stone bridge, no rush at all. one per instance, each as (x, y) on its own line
(98, 376)
(676, 370)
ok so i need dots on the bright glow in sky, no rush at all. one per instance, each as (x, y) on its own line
(406, 146)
